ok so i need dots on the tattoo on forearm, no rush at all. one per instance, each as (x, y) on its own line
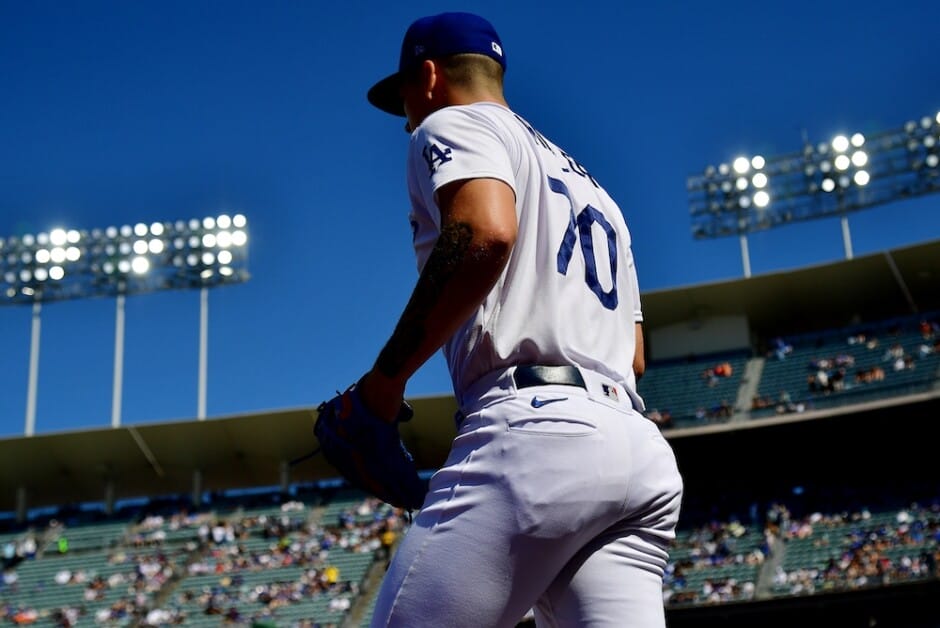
(449, 252)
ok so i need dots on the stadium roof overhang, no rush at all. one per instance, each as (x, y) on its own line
(254, 450)
(236, 452)
(873, 287)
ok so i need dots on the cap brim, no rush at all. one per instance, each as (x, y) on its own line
(386, 95)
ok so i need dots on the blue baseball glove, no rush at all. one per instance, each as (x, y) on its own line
(368, 451)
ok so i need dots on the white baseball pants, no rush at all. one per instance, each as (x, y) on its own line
(567, 508)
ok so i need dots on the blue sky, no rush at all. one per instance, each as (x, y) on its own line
(119, 112)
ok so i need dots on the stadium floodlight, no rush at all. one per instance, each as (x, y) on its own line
(71, 263)
(66, 263)
(850, 172)
(736, 191)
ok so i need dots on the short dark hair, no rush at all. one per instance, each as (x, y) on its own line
(468, 68)
(463, 69)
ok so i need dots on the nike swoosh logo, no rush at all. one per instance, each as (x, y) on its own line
(538, 403)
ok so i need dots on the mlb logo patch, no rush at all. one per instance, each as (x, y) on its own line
(611, 391)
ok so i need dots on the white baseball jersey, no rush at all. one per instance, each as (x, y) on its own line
(569, 292)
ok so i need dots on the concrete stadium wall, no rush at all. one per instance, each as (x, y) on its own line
(699, 336)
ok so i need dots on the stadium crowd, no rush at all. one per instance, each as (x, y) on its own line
(705, 550)
(717, 562)
(148, 562)
(861, 551)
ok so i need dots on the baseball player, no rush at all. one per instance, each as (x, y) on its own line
(558, 494)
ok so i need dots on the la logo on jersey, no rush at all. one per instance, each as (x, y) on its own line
(435, 156)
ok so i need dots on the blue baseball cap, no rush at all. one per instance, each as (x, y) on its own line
(433, 37)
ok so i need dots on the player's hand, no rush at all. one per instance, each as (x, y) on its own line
(368, 451)
(381, 395)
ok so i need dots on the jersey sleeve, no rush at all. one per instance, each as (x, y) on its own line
(454, 144)
(637, 307)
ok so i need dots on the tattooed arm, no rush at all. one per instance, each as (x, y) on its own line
(478, 231)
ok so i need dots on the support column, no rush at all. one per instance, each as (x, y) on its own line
(846, 237)
(33, 385)
(118, 382)
(745, 256)
(203, 352)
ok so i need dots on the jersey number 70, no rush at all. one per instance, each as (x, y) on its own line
(580, 225)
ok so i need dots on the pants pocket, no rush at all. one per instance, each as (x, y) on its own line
(552, 426)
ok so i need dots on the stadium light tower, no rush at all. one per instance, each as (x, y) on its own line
(833, 178)
(68, 264)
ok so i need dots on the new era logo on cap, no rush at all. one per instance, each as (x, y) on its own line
(497, 49)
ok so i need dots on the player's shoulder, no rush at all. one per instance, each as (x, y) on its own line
(457, 118)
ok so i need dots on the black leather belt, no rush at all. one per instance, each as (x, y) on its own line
(535, 375)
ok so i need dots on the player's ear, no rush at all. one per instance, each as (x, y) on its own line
(430, 77)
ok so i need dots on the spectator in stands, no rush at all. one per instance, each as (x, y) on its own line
(25, 615)
(95, 589)
(223, 533)
(162, 617)
(388, 538)
(721, 411)
(857, 339)
(27, 547)
(340, 604)
(293, 506)
(786, 405)
(893, 353)
(837, 380)
(780, 348)
(331, 574)
(866, 376)
(724, 369)
(665, 419)
(823, 384)
(811, 384)
(661, 418)
(8, 579)
(710, 377)
(759, 402)
(9, 558)
(66, 617)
